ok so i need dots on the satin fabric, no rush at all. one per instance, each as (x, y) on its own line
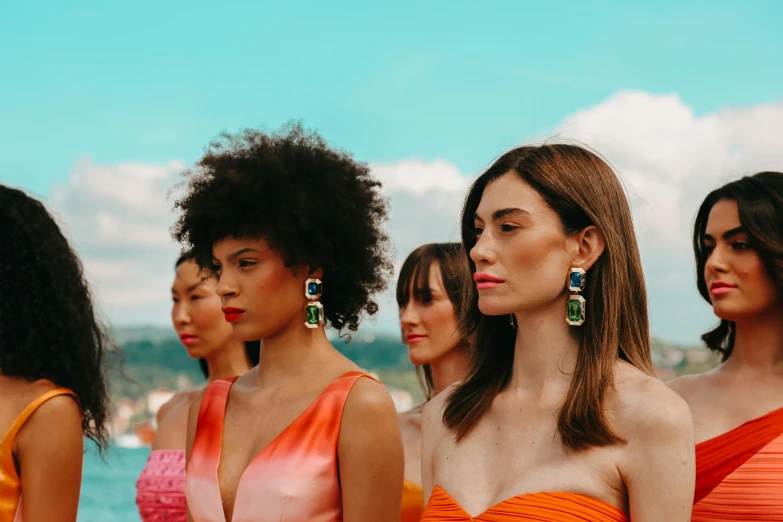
(293, 479)
(160, 488)
(10, 483)
(538, 507)
(739, 475)
(412, 502)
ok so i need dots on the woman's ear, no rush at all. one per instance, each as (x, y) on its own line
(591, 244)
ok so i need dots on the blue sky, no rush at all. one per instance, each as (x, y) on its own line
(151, 82)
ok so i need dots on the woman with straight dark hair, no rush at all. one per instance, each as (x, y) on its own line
(53, 390)
(201, 327)
(738, 406)
(430, 291)
(560, 417)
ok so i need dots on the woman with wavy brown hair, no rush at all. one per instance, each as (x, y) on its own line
(738, 406)
(560, 417)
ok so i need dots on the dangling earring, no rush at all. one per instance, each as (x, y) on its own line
(511, 320)
(575, 314)
(314, 313)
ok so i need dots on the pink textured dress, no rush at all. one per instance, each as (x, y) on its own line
(160, 489)
(293, 479)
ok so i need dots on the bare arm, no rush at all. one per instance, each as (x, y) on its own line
(193, 412)
(660, 469)
(370, 455)
(50, 449)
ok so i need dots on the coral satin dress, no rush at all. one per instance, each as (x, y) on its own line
(293, 479)
(739, 475)
(160, 488)
(10, 483)
(412, 502)
(538, 507)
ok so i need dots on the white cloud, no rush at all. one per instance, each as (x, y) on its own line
(669, 157)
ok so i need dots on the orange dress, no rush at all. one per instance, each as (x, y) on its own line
(412, 502)
(293, 479)
(538, 507)
(739, 475)
(10, 483)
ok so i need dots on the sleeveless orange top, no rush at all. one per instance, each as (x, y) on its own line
(10, 483)
(739, 475)
(293, 479)
(538, 507)
(412, 502)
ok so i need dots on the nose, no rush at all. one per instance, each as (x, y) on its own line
(179, 314)
(716, 262)
(226, 285)
(483, 251)
(409, 316)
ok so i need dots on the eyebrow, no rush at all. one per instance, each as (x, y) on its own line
(241, 252)
(504, 212)
(190, 288)
(728, 233)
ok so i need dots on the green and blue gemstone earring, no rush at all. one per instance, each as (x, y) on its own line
(314, 313)
(575, 314)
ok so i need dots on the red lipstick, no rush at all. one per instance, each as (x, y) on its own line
(232, 314)
(485, 281)
(720, 288)
(187, 338)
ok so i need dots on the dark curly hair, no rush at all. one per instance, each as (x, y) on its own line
(759, 200)
(48, 328)
(313, 204)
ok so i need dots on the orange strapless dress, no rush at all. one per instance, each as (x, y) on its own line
(538, 507)
(412, 502)
(739, 475)
(293, 479)
(10, 483)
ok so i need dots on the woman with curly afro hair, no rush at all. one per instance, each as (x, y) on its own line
(292, 229)
(52, 385)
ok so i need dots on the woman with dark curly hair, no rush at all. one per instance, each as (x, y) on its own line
(560, 417)
(198, 319)
(292, 230)
(738, 406)
(52, 383)
(430, 291)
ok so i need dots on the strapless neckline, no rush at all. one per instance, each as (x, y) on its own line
(541, 495)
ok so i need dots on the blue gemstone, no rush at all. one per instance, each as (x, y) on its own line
(313, 288)
(576, 280)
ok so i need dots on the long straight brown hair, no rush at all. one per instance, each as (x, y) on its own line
(583, 190)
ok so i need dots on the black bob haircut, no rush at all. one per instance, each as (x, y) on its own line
(313, 204)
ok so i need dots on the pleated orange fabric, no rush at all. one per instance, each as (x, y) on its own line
(10, 483)
(293, 479)
(739, 475)
(412, 502)
(532, 507)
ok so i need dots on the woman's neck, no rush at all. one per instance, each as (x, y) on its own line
(449, 368)
(545, 350)
(758, 344)
(293, 352)
(228, 361)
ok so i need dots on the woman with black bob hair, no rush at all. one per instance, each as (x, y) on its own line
(738, 406)
(53, 389)
(292, 229)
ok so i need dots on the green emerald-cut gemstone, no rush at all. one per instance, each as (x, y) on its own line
(574, 310)
(313, 314)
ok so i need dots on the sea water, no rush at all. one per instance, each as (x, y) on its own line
(109, 488)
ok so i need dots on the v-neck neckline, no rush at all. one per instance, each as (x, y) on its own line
(266, 448)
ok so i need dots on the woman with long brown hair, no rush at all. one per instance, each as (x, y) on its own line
(560, 417)
(738, 406)
(430, 290)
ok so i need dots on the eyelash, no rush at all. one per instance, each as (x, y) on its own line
(506, 227)
(736, 245)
